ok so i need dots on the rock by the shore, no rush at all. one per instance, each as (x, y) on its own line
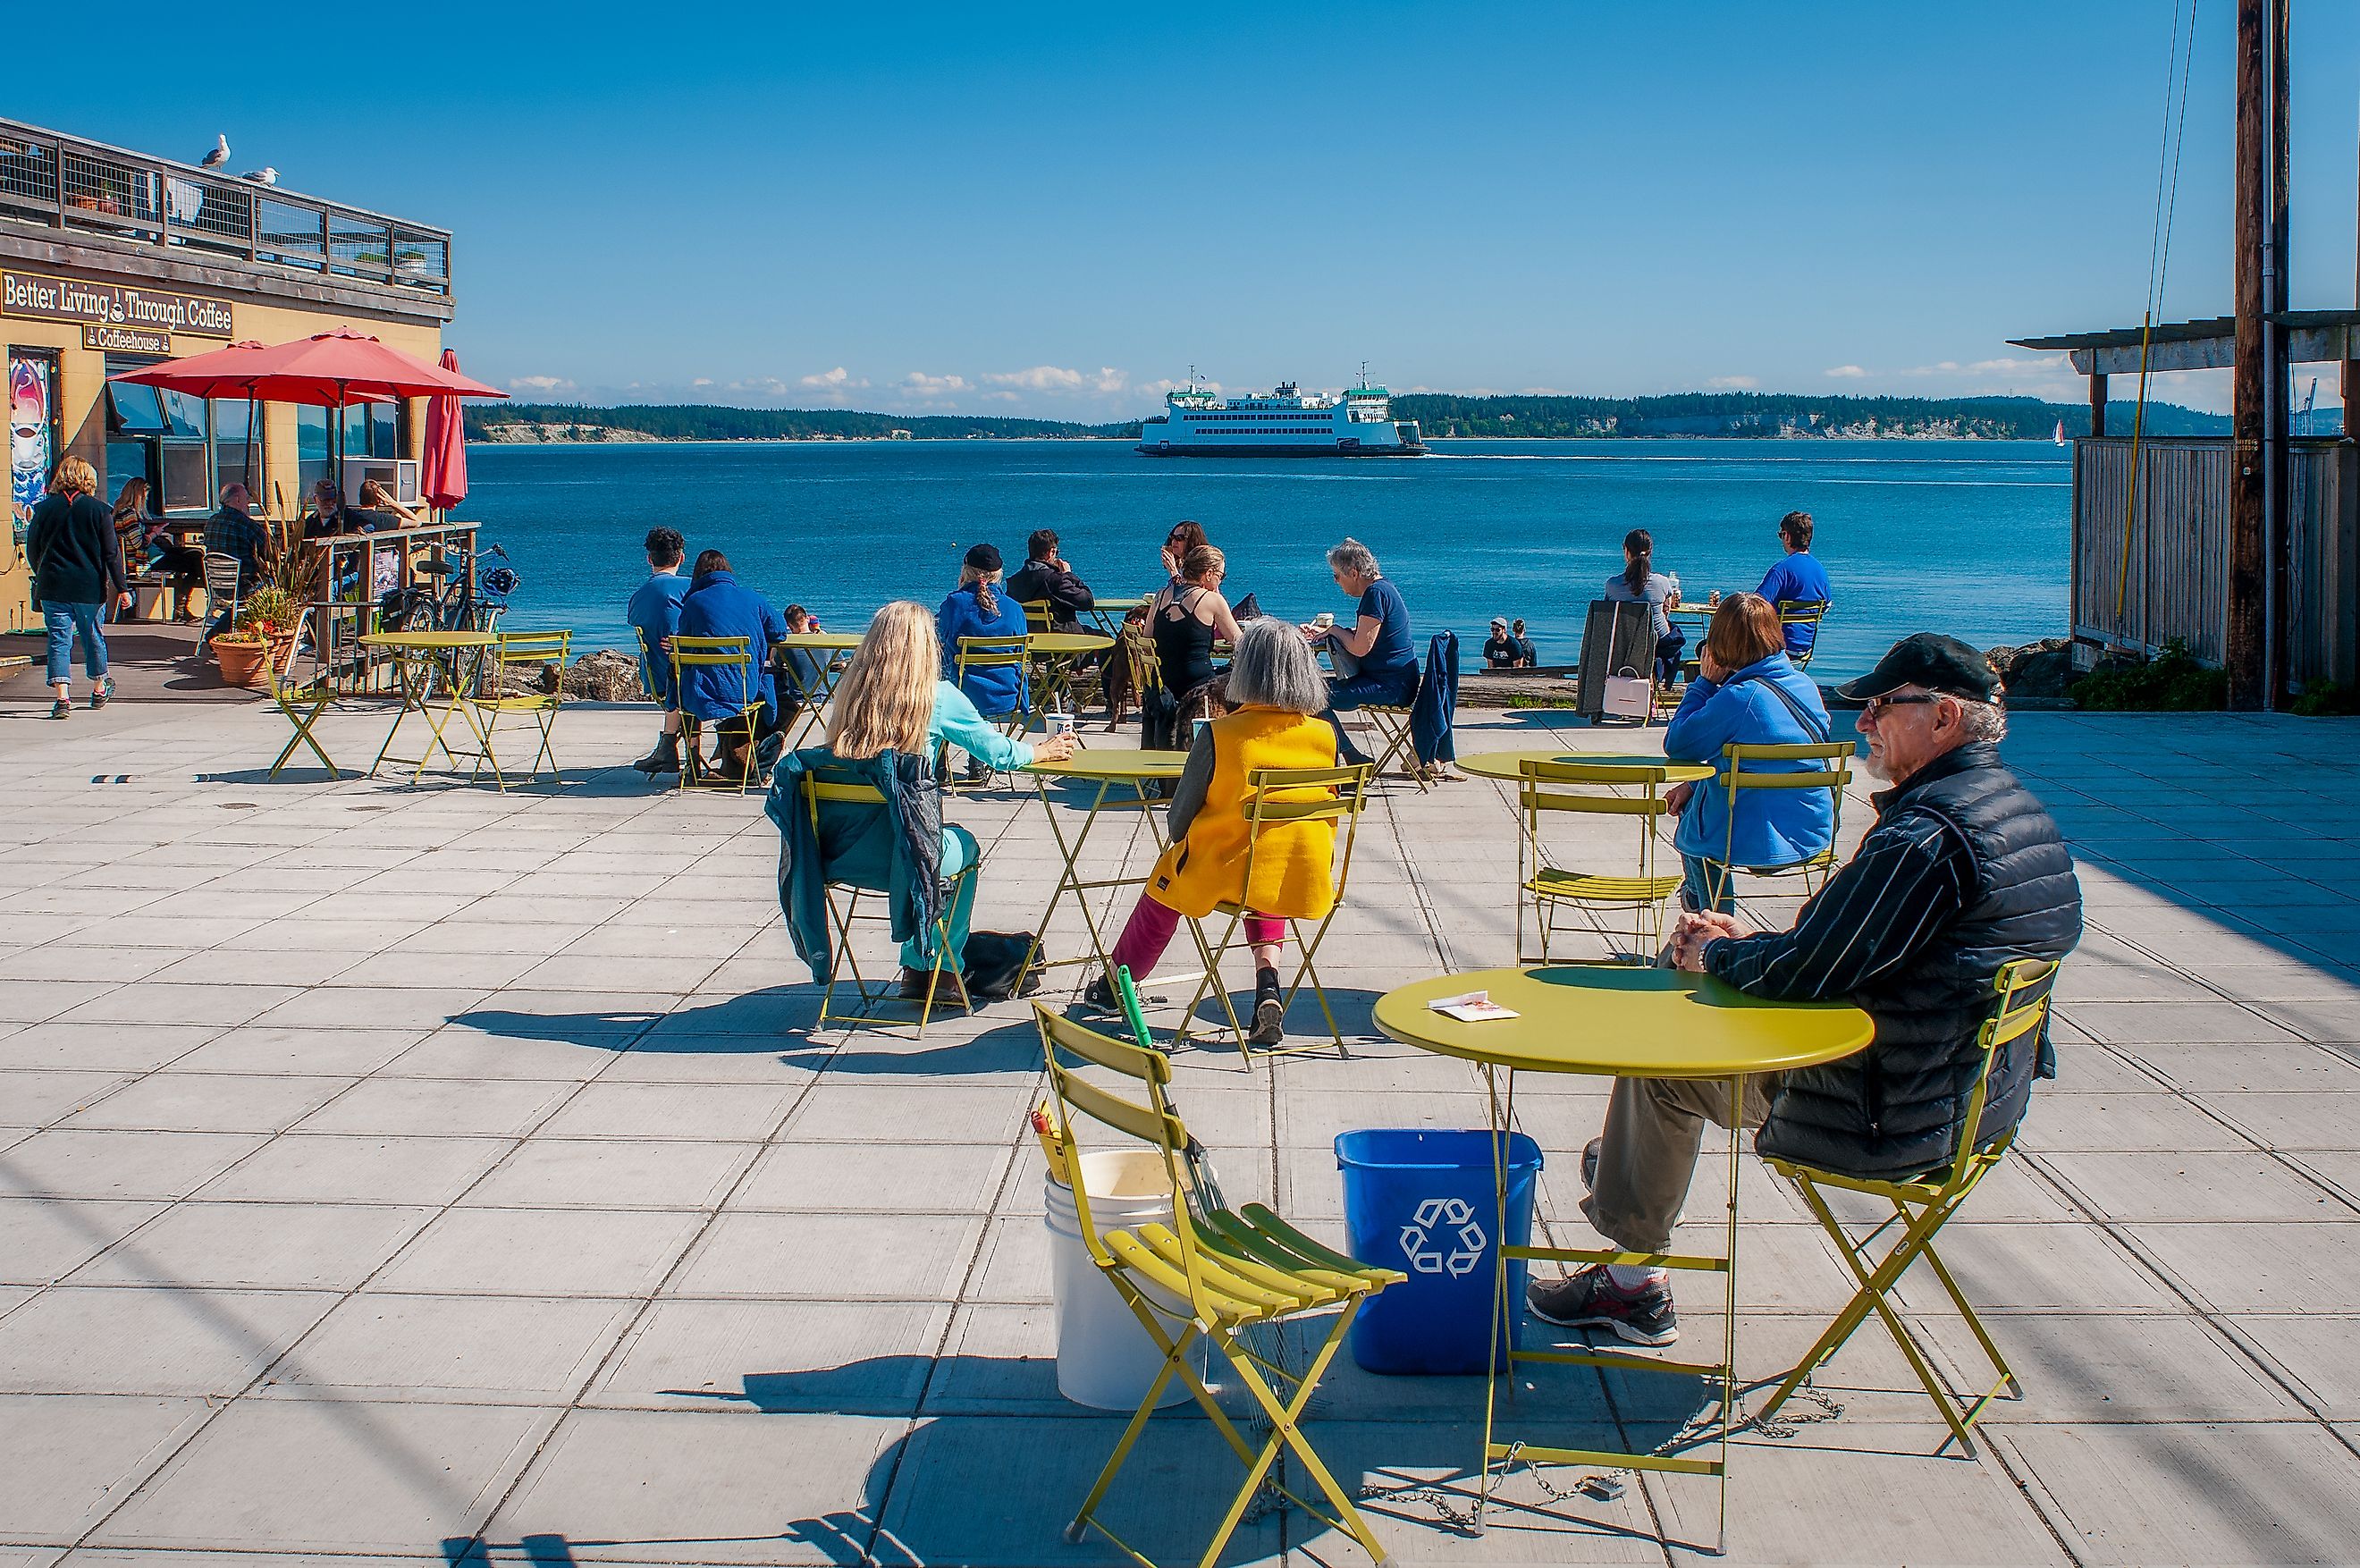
(2041, 671)
(605, 676)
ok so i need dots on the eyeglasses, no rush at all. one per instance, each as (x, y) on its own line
(1877, 705)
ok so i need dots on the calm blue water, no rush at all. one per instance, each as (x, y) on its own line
(1964, 537)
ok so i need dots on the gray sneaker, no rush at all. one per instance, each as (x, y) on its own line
(101, 694)
(1589, 1299)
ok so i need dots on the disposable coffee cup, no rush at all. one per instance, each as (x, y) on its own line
(1059, 723)
(1324, 620)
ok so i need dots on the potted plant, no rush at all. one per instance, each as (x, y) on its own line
(269, 615)
(240, 652)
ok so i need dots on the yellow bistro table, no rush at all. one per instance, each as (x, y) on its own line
(1610, 1021)
(823, 647)
(1058, 651)
(417, 656)
(1109, 612)
(1107, 767)
(1510, 765)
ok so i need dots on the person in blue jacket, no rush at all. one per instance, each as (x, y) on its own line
(1797, 579)
(1748, 693)
(718, 606)
(654, 612)
(979, 606)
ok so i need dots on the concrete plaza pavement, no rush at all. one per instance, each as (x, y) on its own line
(418, 1172)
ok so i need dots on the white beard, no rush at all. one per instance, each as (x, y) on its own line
(1873, 766)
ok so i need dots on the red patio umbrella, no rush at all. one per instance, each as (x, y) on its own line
(442, 475)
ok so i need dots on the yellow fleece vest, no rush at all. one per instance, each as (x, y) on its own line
(1291, 870)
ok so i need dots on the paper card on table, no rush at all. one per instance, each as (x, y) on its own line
(1474, 1007)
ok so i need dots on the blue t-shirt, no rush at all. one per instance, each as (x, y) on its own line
(1391, 653)
(1798, 579)
(655, 611)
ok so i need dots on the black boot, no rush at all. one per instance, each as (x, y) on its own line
(1269, 1010)
(663, 759)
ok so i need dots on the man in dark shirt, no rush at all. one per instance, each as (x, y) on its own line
(1046, 575)
(233, 531)
(1962, 872)
(1499, 649)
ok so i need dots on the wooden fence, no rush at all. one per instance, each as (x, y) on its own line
(2177, 581)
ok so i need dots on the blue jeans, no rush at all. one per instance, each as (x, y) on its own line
(1700, 877)
(959, 852)
(65, 621)
(1345, 692)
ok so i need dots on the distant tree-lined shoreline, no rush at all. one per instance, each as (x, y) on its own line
(1720, 415)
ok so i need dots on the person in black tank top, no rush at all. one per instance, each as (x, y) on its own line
(1187, 618)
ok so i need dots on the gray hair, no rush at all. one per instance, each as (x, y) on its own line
(1353, 558)
(1983, 720)
(1273, 667)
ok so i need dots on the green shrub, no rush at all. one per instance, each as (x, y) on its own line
(2171, 682)
(2327, 700)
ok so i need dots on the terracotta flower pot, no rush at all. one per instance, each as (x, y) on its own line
(241, 662)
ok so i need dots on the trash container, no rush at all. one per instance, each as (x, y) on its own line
(1421, 1200)
(1105, 1358)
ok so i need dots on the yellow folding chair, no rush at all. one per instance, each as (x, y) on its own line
(997, 653)
(302, 701)
(818, 790)
(1039, 615)
(1224, 1272)
(1582, 789)
(531, 650)
(736, 653)
(1285, 802)
(1920, 1207)
(1803, 612)
(1391, 721)
(1738, 779)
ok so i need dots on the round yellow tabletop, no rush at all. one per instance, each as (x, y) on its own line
(1113, 762)
(1620, 1022)
(1074, 642)
(1120, 604)
(425, 640)
(821, 641)
(1509, 765)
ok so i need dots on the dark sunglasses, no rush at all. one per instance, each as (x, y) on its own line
(1877, 705)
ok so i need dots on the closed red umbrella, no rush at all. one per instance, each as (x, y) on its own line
(442, 475)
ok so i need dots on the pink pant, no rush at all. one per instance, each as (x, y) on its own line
(1150, 930)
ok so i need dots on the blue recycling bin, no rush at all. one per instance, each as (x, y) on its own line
(1421, 1200)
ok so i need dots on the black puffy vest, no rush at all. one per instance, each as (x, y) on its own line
(1900, 1106)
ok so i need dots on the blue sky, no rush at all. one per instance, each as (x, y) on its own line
(1052, 211)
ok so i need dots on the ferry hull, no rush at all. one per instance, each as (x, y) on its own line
(1176, 449)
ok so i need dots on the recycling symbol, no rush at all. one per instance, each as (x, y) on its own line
(1443, 1237)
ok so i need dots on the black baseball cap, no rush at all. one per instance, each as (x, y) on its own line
(1930, 660)
(984, 558)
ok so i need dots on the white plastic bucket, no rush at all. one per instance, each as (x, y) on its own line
(1105, 1358)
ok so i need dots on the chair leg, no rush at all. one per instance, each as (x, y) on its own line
(1304, 970)
(1211, 981)
(1285, 1418)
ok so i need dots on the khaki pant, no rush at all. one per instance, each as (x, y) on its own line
(1655, 1128)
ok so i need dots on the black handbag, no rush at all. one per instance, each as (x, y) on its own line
(995, 966)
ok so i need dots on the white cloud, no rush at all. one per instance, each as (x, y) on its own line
(541, 384)
(1847, 372)
(836, 380)
(764, 385)
(1734, 383)
(702, 381)
(917, 383)
(1040, 378)
(1002, 397)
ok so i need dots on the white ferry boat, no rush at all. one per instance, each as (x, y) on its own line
(1282, 422)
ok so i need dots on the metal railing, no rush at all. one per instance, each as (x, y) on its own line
(64, 182)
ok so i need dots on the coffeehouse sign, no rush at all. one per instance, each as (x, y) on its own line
(44, 298)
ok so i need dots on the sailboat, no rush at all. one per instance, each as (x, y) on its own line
(2060, 436)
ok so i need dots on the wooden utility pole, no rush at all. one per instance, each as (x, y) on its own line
(2278, 390)
(2247, 660)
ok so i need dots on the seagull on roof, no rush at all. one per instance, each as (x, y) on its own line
(263, 176)
(219, 156)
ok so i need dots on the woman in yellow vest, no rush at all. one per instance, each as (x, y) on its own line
(1276, 696)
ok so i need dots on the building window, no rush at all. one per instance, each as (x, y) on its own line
(311, 451)
(237, 444)
(161, 437)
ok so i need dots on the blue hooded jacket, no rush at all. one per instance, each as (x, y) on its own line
(654, 613)
(1774, 828)
(998, 688)
(717, 606)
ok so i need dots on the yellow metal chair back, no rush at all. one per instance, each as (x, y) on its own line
(1039, 615)
(1803, 612)
(1833, 775)
(1544, 788)
(997, 654)
(647, 663)
(733, 653)
(1211, 1274)
(818, 790)
(303, 701)
(534, 651)
(1921, 1205)
(1278, 798)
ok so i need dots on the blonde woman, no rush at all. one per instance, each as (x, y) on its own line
(892, 697)
(69, 542)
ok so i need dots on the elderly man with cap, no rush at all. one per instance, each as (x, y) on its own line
(1964, 870)
(982, 606)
